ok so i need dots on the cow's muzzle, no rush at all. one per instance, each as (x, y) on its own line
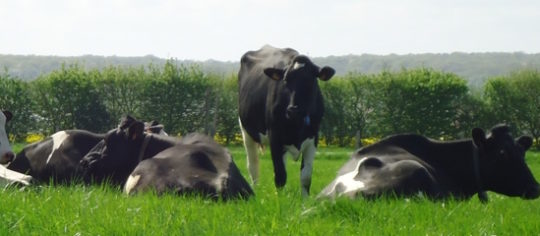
(532, 193)
(7, 158)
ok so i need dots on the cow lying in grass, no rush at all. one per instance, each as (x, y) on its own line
(408, 164)
(57, 157)
(194, 164)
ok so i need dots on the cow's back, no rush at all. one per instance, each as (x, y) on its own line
(57, 156)
(32, 158)
(254, 85)
(199, 167)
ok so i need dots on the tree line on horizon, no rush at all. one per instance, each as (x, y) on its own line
(185, 99)
(476, 68)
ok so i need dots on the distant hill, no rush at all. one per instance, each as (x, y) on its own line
(30, 67)
(475, 67)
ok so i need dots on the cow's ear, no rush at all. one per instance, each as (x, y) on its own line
(479, 137)
(275, 74)
(126, 122)
(326, 73)
(8, 115)
(135, 130)
(525, 141)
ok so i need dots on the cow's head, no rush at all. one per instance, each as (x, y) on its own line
(117, 153)
(502, 162)
(300, 79)
(6, 155)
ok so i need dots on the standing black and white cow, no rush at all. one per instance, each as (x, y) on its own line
(57, 157)
(279, 98)
(196, 165)
(408, 164)
(8, 176)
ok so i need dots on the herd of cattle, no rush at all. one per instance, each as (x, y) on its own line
(280, 105)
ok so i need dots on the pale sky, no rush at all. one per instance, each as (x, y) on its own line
(224, 30)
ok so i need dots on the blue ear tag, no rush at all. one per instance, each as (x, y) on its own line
(307, 121)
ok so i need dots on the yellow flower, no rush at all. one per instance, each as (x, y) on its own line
(31, 138)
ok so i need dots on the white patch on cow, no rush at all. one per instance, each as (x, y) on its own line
(298, 65)
(295, 153)
(308, 155)
(131, 182)
(252, 156)
(220, 180)
(58, 138)
(4, 142)
(8, 177)
(264, 139)
(348, 182)
(162, 132)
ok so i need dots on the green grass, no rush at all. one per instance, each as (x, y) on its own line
(102, 210)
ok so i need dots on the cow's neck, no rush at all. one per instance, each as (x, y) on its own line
(144, 145)
(153, 144)
(459, 160)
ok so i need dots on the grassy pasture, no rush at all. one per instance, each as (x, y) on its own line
(102, 210)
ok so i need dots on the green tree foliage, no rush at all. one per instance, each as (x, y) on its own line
(515, 99)
(15, 97)
(227, 109)
(421, 101)
(185, 99)
(178, 96)
(68, 99)
(335, 125)
(121, 90)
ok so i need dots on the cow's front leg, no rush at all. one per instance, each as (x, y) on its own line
(280, 174)
(252, 156)
(308, 156)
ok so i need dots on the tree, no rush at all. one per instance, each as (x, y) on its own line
(67, 99)
(420, 101)
(227, 109)
(15, 97)
(177, 95)
(515, 100)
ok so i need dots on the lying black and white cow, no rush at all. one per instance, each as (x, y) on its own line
(123, 148)
(408, 164)
(279, 98)
(196, 165)
(7, 176)
(58, 156)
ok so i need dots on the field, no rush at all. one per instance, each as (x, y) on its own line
(102, 210)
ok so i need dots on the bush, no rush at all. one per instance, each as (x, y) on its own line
(15, 97)
(185, 99)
